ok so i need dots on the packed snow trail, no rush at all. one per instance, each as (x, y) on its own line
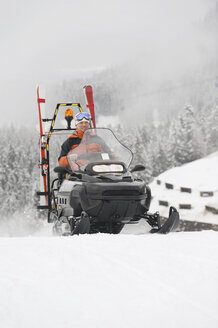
(110, 281)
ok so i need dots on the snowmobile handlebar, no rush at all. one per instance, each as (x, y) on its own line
(65, 170)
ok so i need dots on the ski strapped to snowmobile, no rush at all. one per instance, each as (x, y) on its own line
(42, 142)
(102, 195)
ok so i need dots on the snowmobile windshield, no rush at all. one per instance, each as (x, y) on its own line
(99, 146)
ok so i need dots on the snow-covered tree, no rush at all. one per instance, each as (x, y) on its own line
(185, 148)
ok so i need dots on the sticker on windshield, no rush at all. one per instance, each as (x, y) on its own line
(104, 156)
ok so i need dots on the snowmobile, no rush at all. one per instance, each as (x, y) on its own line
(102, 195)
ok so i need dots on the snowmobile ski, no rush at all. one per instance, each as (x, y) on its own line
(170, 225)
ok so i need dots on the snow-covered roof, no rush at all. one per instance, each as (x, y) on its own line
(200, 177)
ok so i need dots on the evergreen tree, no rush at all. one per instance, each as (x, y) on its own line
(185, 151)
(170, 144)
(211, 128)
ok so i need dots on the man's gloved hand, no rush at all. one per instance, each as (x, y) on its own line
(72, 157)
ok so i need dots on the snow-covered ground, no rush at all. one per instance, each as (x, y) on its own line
(200, 176)
(109, 281)
(134, 279)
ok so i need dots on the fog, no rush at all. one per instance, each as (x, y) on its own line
(51, 41)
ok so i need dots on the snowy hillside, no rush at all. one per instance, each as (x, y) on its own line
(200, 180)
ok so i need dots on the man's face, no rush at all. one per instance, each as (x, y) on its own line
(83, 126)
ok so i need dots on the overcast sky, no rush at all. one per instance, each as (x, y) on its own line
(48, 40)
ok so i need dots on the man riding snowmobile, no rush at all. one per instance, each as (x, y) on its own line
(92, 144)
(96, 190)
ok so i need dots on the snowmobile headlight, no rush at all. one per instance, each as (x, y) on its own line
(106, 168)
